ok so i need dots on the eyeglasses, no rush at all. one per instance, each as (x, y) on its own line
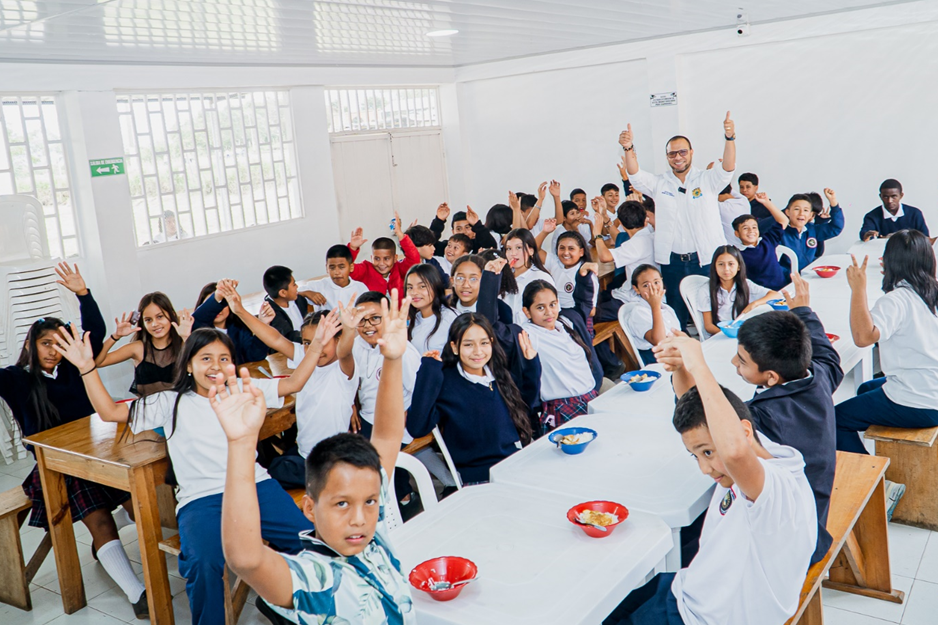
(677, 153)
(462, 279)
(373, 321)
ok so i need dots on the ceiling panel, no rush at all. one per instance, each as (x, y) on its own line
(355, 32)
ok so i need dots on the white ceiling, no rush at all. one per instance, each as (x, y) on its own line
(356, 32)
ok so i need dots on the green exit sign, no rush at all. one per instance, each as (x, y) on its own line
(107, 167)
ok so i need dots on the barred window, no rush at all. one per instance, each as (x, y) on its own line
(365, 110)
(203, 163)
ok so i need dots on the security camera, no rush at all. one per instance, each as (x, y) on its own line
(743, 30)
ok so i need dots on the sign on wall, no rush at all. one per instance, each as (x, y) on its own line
(668, 98)
(107, 167)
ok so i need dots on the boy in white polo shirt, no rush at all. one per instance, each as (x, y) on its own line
(338, 286)
(761, 526)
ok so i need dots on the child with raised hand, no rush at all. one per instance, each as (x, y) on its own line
(761, 526)
(430, 316)
(384, 272)
(761, 259)
(572, 254)
(286, 301)
(651, 320)
(156, 341)
(799, 233)
(212, 311)
(198, 450)
(338, 286)
(347, 571)
(729, 294)
(526, 260)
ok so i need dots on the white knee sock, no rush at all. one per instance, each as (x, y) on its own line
(114, 560)
(122, 518)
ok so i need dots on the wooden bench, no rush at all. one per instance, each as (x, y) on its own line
(913, 459)
(858, 559)
(15, 573)
(612, 332)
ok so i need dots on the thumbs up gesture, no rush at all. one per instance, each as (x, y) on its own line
(729, 127)
(625, 137)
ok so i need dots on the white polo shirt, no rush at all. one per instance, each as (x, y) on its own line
(335, 293)
(324, 404)
(725, 299)
(423, 326)
(368, 365)
(638, 250)
(515, 299)
(685, 222)
(641, 321)
(565, 371)
(565, 280)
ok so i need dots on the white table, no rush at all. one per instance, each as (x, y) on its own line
(535, 567)
(636, 460)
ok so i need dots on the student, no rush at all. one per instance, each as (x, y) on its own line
(384, 271)
(572, 253)
(893, 215)
(730, 294)
(526, 261)
(199, 452)
(732, 206)
(425, 241)
(499, 220)
(568, 218)
(496, 263)
(169, 229)
(430, 316)
(761, 526)
(457, 246)
(904, 324)
(568, 364)
(468, 391)
(464, 222)
(338, 286)
(803, 237)
(44, 391)
(749, 189)
(637, 249)
(212, 311)
(324, 404)
(156, 341)
(288, 304)
(651, 320)
(610, 194)
(759, 253)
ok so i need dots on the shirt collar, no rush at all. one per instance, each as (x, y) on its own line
(890, 216)
(53, 375)
(762, 389)
(484, 380)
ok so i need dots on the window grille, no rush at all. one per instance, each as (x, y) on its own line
(367, 110)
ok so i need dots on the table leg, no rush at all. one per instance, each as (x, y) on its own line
(59, 515)
(863, 371)
(673, 559)
(147, 515)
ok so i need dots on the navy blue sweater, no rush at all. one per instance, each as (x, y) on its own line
(912, 219)
(762, 266)
(800, 414)
(473, 418)
(248, 348)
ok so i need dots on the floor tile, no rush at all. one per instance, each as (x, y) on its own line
(114, 603)
(928, 569)
(906, 547)
(46, 606)
(20, 468)
(876, 608)
(8, 482)
(833, 616)
(47, 573)
(86, 616)
(922, 604)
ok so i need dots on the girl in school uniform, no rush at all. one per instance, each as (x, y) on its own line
(430, 316)
(198, 449)
(651, 319)
(572, 253)
(468, 391)
(527, 261)
(45, 391)
(470, 283)
(730, 294)
(212, 311)
(569, 377)
(905, 324)
(157, 338)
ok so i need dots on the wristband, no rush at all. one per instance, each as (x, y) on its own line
(628, 149)
(115, 339)
(733, 138)
(89, 371)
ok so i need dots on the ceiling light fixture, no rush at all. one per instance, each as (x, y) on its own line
(442, 33)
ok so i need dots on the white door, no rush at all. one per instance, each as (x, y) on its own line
(419, 175)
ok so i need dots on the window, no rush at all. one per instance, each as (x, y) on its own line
(365, 110)
(32, 162)
(200, 164)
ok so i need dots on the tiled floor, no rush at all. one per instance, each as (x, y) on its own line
(913, 554)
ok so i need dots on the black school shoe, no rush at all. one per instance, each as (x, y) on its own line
(142, 608)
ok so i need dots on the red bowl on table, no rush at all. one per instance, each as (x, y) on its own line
(608, 507)
(450, 569)
(827, 271)
(832, 337)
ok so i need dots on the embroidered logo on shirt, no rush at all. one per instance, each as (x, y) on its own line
(727, 501)
(568, 287)
(697, 193)
(811, 242)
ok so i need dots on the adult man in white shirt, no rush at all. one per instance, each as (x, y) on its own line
(688, 226)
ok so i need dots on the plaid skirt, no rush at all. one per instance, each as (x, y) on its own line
(589, 326)
(84, 497)
(556, 412)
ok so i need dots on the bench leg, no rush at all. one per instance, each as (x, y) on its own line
(813, 613)
(915, 466)
(14, 586)
(235, 597)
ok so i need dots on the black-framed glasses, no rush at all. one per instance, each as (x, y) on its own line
(373, 321)
(676, 153)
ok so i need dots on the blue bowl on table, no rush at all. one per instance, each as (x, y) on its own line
(778, 304)
(578, 448)
(640, 386)
(730, 328)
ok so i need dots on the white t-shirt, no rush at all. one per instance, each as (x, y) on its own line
(753, 555)
(444, 263)
(641, 321)
(565, 280)
(368, 364)
(334, 293)
(198, 446)
(730, 210)
(324, 404)
(421, 338)
(725, 300)
(293, 312)
(565, 371)
(515, 299)
(908, 347)
(638, 250)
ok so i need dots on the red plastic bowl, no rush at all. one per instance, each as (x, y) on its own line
(599, 506)
(827, 271)
(832, 337)
(450, 569)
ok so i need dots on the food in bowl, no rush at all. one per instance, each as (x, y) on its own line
(778, 304)
(827, 271)
(575, 439)
(639, 378)
(595, 517)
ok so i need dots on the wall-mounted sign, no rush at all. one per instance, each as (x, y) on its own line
(107, 167)
(668, 98)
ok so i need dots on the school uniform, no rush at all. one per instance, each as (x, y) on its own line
(885, 223)
(515, 300)
(805, 243)
(762, 266)
(585, 230)
(800, 413)
(726, 300)
(422, 335)
(752, 560)
(908, 350)
(334, 293)
(288, 321)
(248, 348)
(444, 273)
(198, 448)
(483, 237)
(365, 271)
(368, 365)
(758, 210)
(641, 320)
(444, 264)
(635, 251)
(565, 279)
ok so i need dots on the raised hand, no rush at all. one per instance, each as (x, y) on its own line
(71, 279)
(396, 230)
(763, 198)
(496, 265)
(350, 315)
(831, 196)
(328, 327)
(241, 411)
(413, 223)
(856, 274)
(266, 314)
(729, 127)
(802, 295)
(184, 327)
(74, 348)
(357, 240)
(513, 202)
(442, 212)
(541, 192)
(234, 300)
(434, 354)
(679, 350)
(598, 223)
(472, 217)
(527, 350)
(125, 327)
(625, 138)
(623, 170)
(393, 342)
(668, 354)
(549, 225)
(554, 188)
(655, 295)
(585, 268)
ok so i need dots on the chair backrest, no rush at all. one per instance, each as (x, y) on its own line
(690, 288)
(784, 250)
(23, 237)
(624, 311)
(438, 436)
(424, 489)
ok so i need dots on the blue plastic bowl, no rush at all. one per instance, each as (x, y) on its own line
(640, 386)
(572, 449)
(730, 328)
(778, 304)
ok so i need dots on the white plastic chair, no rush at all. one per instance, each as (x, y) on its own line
(438, 437)
(690, 289)
(624, 311)
(424, 489)
(784, 250)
